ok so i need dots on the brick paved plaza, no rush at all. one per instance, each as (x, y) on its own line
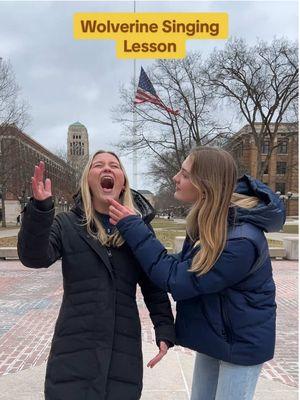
(30, 300)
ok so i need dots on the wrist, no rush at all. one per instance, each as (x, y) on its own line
(43, 205)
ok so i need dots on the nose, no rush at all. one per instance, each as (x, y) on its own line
(175, 178)
(106, 168)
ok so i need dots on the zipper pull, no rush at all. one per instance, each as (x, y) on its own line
(108, 252)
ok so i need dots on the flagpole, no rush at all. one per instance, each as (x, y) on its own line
(134, 156)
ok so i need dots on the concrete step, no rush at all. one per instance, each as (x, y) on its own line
(277, 252)
(8, 253)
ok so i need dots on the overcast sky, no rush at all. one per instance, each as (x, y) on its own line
(65, 80)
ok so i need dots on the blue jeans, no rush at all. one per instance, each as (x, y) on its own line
(219, 380)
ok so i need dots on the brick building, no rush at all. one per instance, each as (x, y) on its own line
(18, 155)
(281, 174)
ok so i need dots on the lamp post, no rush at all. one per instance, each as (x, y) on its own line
(289, 196)
(22, 200)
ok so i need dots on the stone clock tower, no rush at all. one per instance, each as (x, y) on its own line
(78, 147)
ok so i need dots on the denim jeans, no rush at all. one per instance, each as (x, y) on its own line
(219, 380)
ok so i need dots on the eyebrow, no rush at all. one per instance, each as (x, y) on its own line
(183, 169)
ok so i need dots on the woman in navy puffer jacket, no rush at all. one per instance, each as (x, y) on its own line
(222, 280)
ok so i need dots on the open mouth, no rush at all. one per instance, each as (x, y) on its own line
(107, 183)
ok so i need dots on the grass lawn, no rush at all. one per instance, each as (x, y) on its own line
(166, 230)
(162, 223)
(167, 236)
(8, 242)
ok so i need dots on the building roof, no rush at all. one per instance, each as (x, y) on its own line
(18, 134)
(284, 127)
(77, 124)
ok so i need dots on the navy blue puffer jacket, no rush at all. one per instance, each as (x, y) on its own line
(228, 313)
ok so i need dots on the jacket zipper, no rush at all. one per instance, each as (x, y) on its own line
(226, 318)
(114, 311)
(108, 252)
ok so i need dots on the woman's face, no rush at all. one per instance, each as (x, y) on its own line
(106, 178)
(185, 191)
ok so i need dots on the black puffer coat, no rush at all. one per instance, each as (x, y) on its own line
(96, 349)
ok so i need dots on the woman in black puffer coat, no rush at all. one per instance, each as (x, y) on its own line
(96, 348)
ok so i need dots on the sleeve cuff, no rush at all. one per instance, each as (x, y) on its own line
(123, 221)
(43, 205)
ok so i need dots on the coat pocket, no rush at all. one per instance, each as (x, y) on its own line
(227, 331)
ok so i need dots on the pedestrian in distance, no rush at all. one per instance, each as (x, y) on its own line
(18, 220)
(222, 279)
(96, 351)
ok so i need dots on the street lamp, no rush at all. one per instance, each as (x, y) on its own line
(22, 200)
(289, 196)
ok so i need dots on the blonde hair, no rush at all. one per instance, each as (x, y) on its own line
(214, 174)
(93, 224)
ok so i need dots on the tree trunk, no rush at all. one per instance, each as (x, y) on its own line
(3, 207)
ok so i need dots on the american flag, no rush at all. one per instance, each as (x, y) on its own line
(146, 92)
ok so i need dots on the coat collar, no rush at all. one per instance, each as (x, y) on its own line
(141, 203)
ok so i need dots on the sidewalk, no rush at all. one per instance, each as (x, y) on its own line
(169, 380)
(29, 303)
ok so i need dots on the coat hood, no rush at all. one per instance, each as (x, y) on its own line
(269, 214)
(141, 203)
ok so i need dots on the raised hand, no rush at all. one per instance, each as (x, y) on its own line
(40, 190)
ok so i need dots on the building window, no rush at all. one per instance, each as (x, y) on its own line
(281, 168)
(265, 148)
(280, 187)
(266, 170)
(282, 147)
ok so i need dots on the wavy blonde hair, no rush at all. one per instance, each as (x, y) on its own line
(93, 224)
(214, 174)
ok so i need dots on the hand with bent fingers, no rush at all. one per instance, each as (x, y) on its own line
(163, 349)
(118, 212)
(41, 191)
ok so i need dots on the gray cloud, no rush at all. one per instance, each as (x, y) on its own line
(65, 80)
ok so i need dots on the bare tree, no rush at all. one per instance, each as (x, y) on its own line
(13, 112)
(61, 153)
(158, 132)
(75, 169)
(261, 81)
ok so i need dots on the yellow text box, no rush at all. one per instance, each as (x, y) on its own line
(151, 35)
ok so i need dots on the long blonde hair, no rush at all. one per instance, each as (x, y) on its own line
(93, 224)
(214, 174)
